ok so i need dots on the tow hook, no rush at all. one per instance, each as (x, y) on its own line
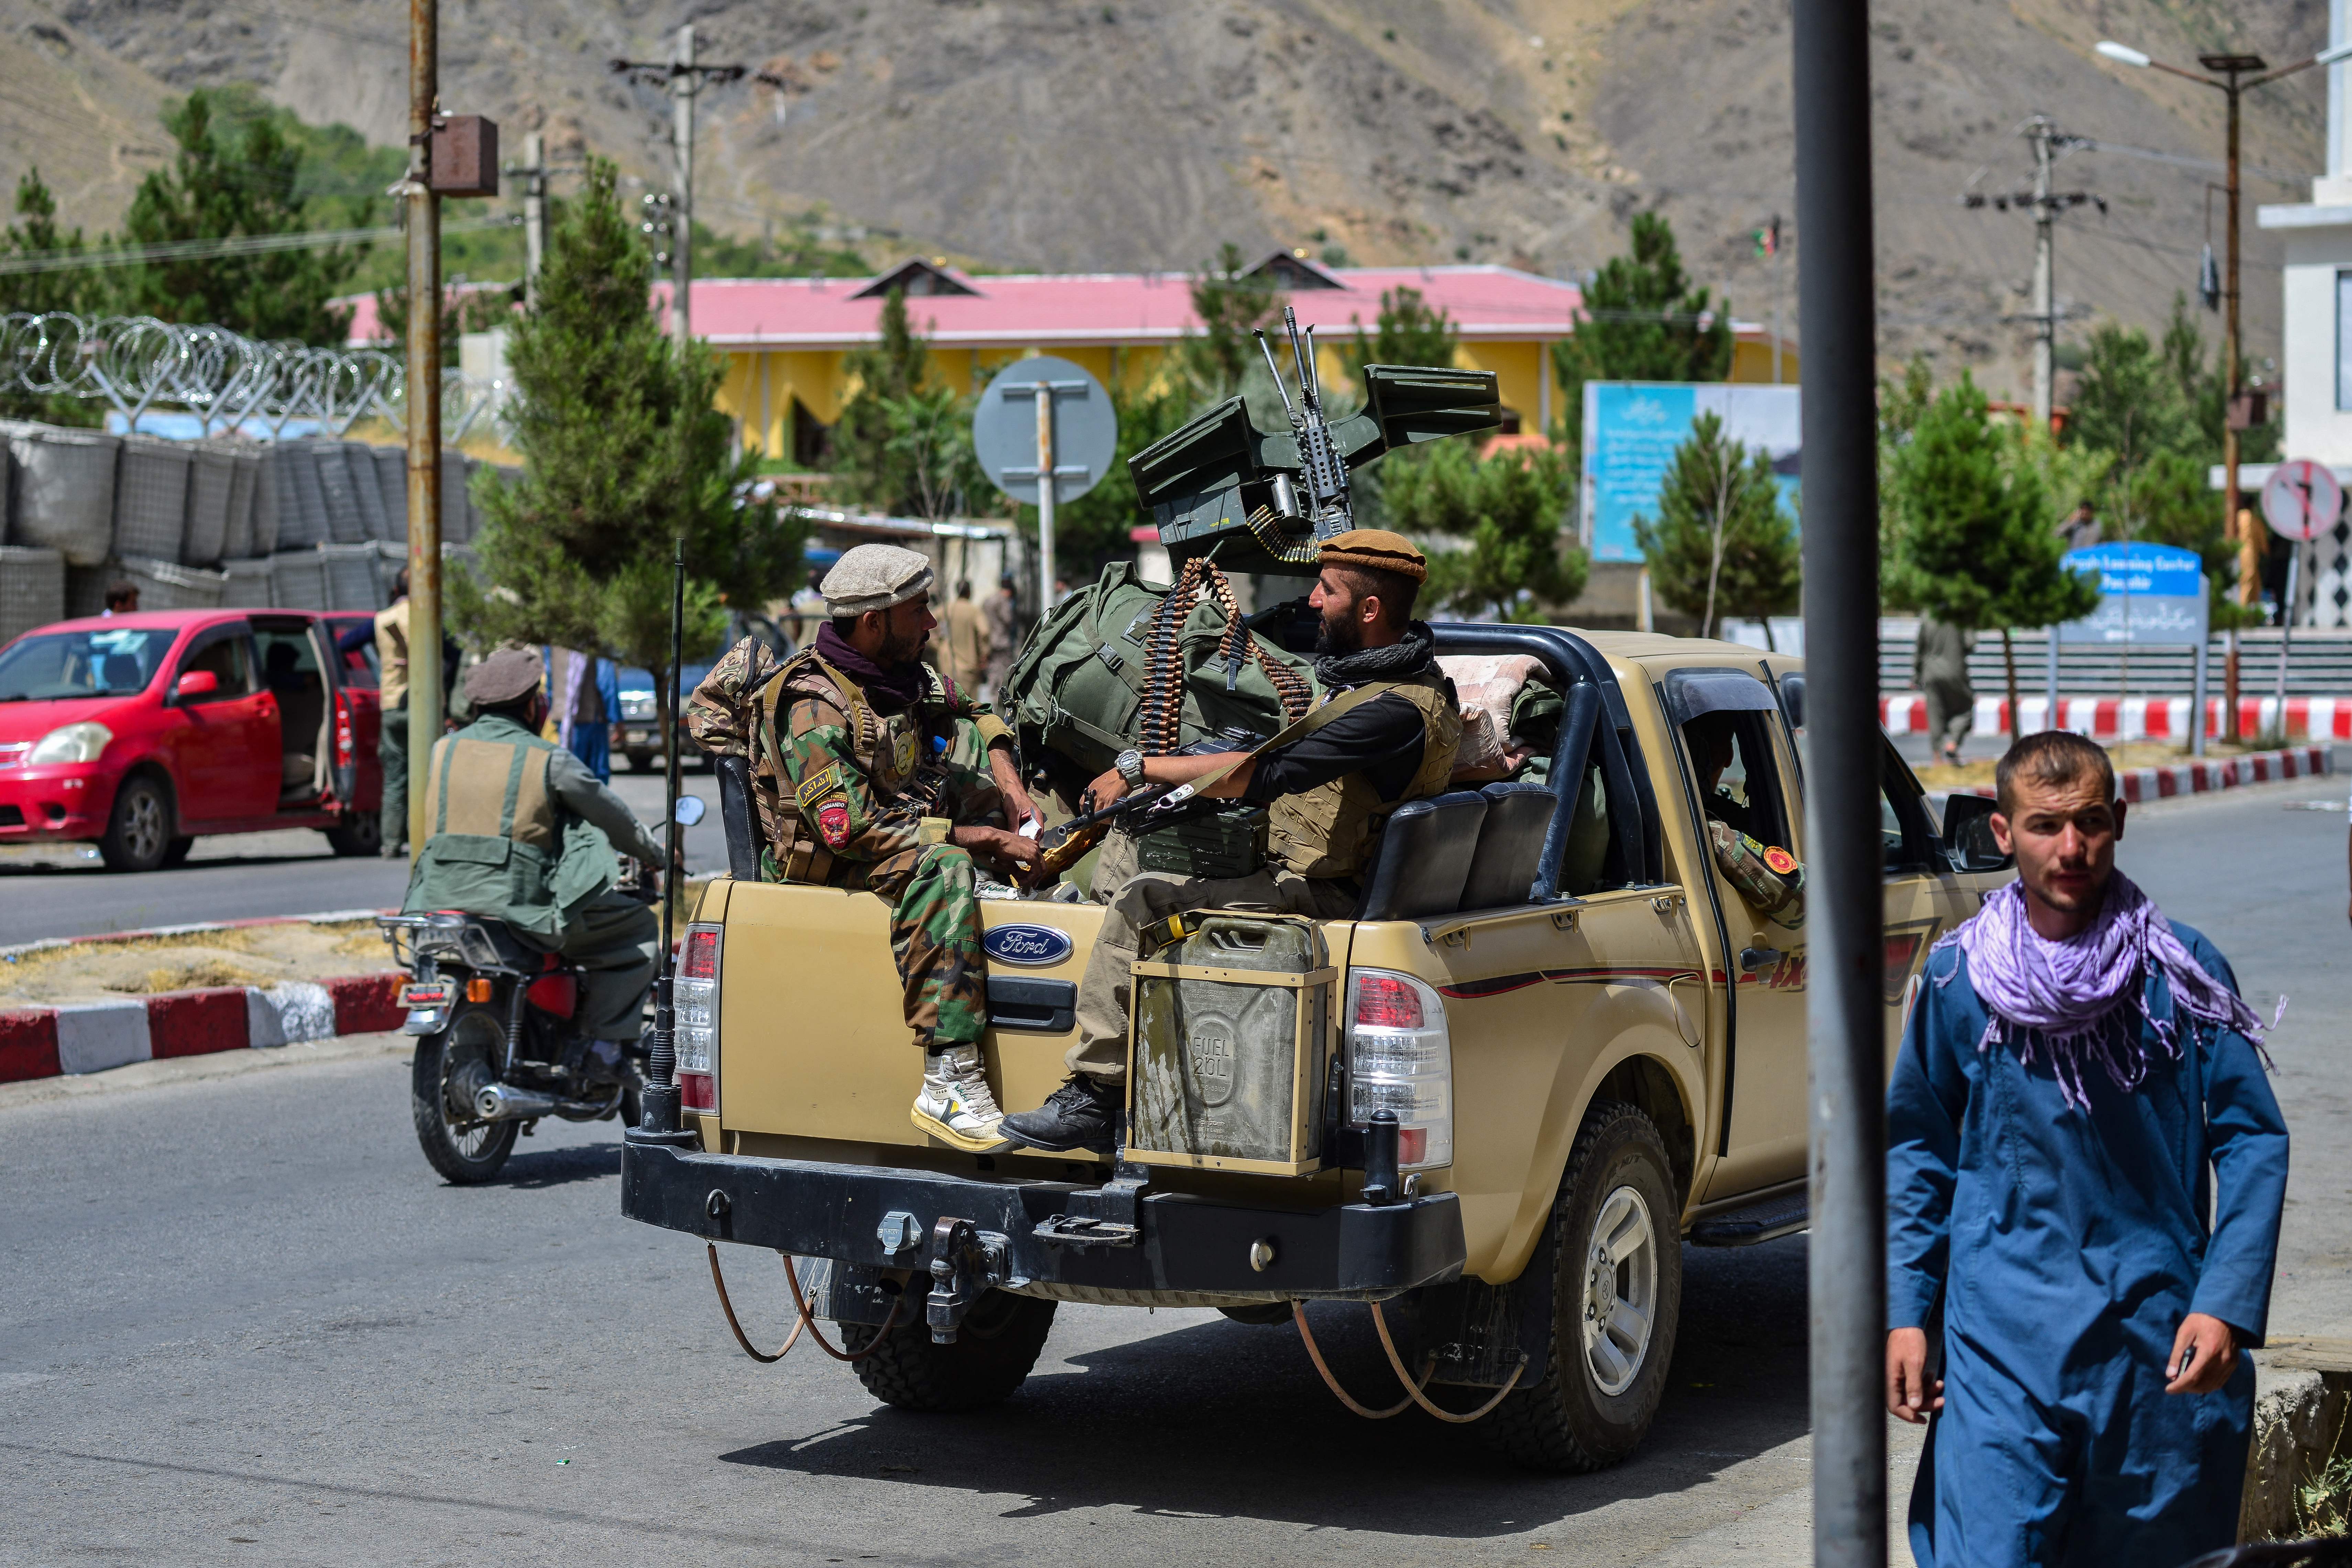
(966, 1261)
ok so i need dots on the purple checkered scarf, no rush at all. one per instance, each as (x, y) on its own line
(2083, 999)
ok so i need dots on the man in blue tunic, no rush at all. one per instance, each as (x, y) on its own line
(2079, 1087)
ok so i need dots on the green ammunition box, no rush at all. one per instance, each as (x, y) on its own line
(1224, 845)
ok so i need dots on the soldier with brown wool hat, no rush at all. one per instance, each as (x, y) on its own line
(1385, 732)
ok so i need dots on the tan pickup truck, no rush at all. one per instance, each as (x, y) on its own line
(1592, 1045)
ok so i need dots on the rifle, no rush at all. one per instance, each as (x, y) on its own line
(1321, 467)
(1064, 844)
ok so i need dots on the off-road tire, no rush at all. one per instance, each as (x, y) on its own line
(1565, 1422)
(139, 830)
(1000, 1340)
(444, 1145)
(360, 833)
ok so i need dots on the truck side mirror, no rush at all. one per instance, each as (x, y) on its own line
(1968, 835)
(195, 683)
(690, 810)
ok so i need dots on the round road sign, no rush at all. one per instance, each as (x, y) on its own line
(1084, 429)
(2301, 499)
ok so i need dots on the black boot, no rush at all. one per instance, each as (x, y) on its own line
(1081, 1114)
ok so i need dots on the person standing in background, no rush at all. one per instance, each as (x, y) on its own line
(583, 693)
(121, 599)
(967, 642)
(1939, 667)
(1003, 614)
(2080, 529)
(391, 739)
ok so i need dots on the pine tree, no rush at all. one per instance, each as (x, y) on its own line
(623, 454)
(1408, 331)
(36, 233)
(1974, 546)
(1722, 545)
(241, 183)
(900, 447)
(1494, 523)
(1642, 321)
(1230, 302)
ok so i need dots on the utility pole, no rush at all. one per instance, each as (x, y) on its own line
(2230, 75)
(682, 85)
(2045, 203)
(424, 400)
(534, 214)
(684, 79)
(1845, 1004)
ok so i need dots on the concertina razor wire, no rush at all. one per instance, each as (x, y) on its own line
(232, 383)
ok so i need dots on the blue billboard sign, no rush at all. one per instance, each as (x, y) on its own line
(1631, 429)
(2152, 594)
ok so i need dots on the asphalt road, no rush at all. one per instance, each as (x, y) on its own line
(62, 890)
(240, 1320)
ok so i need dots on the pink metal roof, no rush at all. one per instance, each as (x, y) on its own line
(1486, 304)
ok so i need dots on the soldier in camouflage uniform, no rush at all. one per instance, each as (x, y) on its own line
(872, 770)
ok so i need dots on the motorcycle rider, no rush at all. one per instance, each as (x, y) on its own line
(1386, 734)
(521, 831)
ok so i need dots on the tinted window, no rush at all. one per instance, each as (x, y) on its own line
(226, 657)
(287, 660)
(109, 663)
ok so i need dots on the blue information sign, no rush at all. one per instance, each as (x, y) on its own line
(2152, 594)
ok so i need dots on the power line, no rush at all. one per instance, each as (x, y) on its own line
(229, 245)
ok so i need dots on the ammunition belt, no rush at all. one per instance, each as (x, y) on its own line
(1161, 711)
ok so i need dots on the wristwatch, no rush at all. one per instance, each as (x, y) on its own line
(1130, 768)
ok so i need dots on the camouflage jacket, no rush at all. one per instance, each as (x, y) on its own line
(837, 784)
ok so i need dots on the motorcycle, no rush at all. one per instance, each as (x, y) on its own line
(495, 1048)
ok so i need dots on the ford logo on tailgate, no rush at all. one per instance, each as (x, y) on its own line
(1034, 946)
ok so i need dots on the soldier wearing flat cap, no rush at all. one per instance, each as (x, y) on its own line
(520, 830)
(873, 770)
(1385, 732)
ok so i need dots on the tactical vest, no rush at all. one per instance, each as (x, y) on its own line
(501, 844)
(888, 750)
(1329, 830)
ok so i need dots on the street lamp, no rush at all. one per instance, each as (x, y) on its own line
(2230, 75)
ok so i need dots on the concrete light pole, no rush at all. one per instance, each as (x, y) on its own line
(2232, 75)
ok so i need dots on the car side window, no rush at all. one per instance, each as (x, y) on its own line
(1739, 780)
(226, 657)
(1906, 833)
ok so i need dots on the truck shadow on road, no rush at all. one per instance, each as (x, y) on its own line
(1217, 1419)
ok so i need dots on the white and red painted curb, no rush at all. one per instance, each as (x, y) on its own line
(2138, 784)
(2138, 718)
(90, 1037)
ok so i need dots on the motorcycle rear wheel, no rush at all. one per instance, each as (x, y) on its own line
(449, 1066)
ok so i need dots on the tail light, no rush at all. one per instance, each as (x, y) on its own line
(1400, 1060)
(693, 1002)
(342, 731)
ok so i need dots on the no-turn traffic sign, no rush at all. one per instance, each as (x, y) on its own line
(2301, 499)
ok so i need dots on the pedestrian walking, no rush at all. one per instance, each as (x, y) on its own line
(967, 642)
(1939, 667)
(1004, 613)
(121, 599)
(2086, 1172)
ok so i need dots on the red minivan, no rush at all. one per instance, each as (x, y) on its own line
(139, 732)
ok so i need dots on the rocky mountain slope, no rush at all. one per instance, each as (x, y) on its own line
(1138, 133)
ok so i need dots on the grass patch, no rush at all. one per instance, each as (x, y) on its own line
(204, 974)
(2323, 1504)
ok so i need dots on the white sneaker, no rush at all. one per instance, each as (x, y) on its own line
(956, 1105)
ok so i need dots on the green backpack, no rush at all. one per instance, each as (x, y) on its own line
(1082, 689)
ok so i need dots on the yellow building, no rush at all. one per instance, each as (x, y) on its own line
(786, 338)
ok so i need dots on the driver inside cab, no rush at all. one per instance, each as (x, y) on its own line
(1733, 768)
(523, 833)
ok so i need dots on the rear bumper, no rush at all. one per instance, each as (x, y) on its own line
(1187, 1244)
